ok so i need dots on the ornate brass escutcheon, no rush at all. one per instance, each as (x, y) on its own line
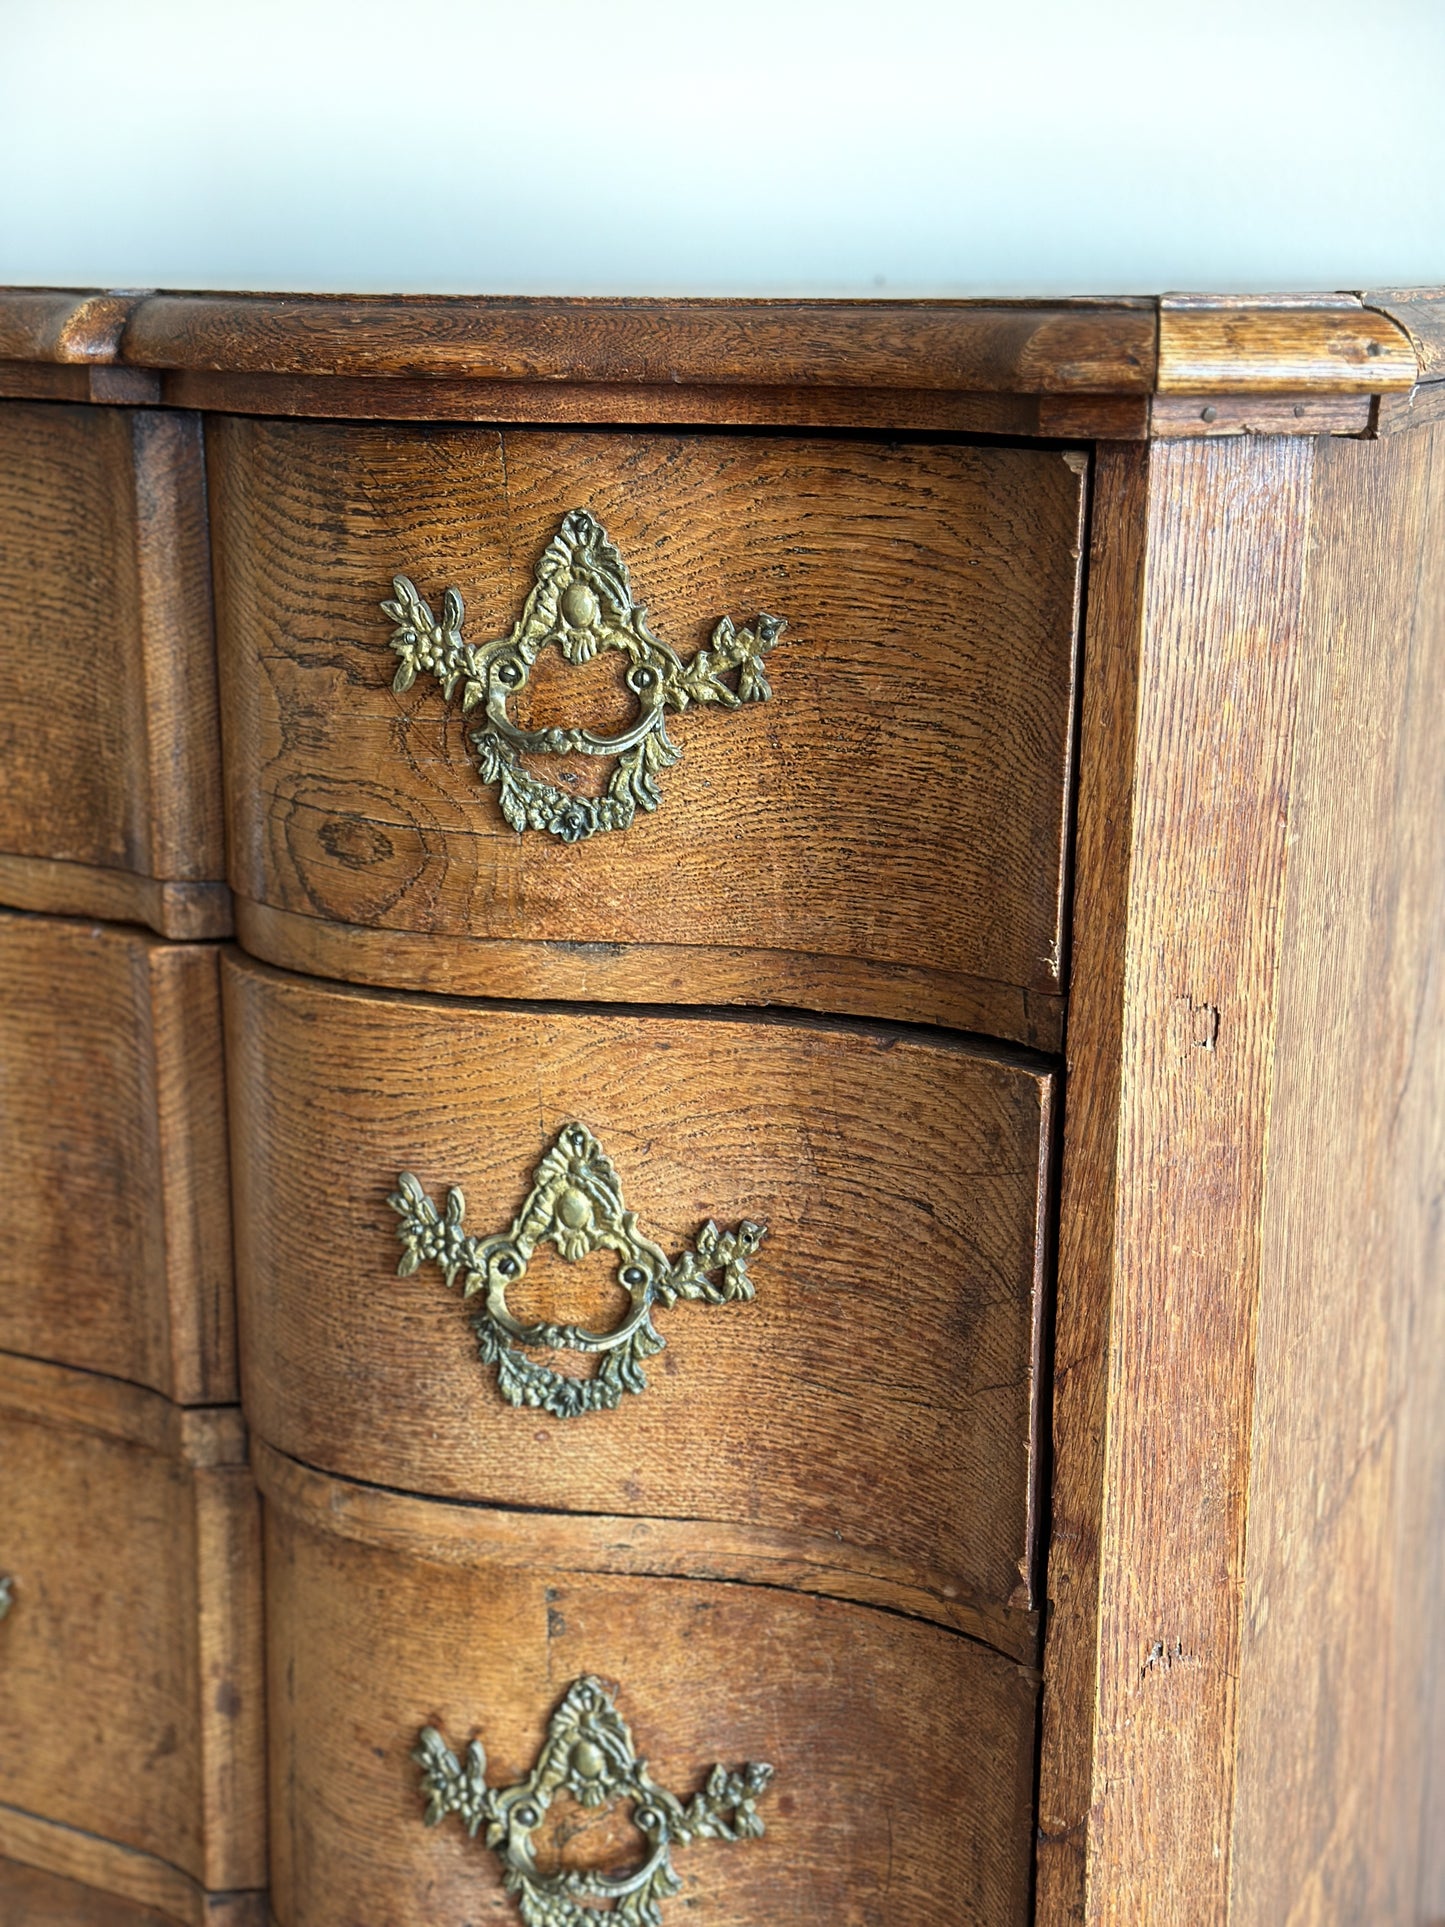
(576, 1203)
(588, 1753)
(581, 603)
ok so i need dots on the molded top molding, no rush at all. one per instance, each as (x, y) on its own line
(1317, 349)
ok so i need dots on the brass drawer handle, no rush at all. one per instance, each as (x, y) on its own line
(588, 1753)
(7, 1594)
(576, 1202)
(581, 603)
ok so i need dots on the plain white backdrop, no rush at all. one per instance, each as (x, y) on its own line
(758, 146)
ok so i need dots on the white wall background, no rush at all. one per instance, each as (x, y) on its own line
(755, 146)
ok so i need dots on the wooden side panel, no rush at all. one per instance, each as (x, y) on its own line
(113, 1164)
(899, 802)
(1341, 1788)
(130, 1657)
(1263, 1478)
(897, 1290)
(108, 726)
(903, 1753)
(1212, 762)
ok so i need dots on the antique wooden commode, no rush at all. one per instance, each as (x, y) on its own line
(764, 979)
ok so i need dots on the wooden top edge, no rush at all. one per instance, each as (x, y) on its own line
(1300, 344)
(1421, 313)
(64, 325)
(1333, 347)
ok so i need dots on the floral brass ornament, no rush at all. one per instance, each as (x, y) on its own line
(576, 1202)
(581, 603)
(588, 1753)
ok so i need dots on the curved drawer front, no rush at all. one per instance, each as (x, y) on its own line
(883, 834)
(130, 1689)
(871, 1409)
(113, 1174)
(901, 1754)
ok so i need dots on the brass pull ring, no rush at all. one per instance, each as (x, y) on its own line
(581, 603)
(589, 1754)
(576, 1204)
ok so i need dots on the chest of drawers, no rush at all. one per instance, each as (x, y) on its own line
(818, 1047)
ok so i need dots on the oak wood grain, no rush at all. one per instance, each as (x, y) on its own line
(1305, 344)
(369, 397)
(1341, 1697)
(113, 1158)
(1421, 313)
(130, 1656)
(104, 1885)
(185, 911)
(1086, 347)
(639, 973)
(1175, 417)
(898, 1289)
(1213, 745)
(903, 1754)
(900, 801)
(1242, 1667)
(1080, 1390)
(109, 741)
(63, 325)
(657, 1548)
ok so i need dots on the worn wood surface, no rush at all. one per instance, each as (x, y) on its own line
(54, 1876)
(32, 1897)
(900, 801)
(673, 974)
(902, 1180)
(113, 1159)
(1201, 941)
(1287, 344)
(1097, 347)
(185, 911)
(1421, 313)
(663, 1549)
(1179, 417)
(1259, 1308)
(1341, 1697)
(1109, 697)
(109, 737)
(903, 1753)
(130, 1657)
(63, 325)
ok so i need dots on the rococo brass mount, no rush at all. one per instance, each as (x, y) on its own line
(576, 1203)
(589, 1754)
(581, 603)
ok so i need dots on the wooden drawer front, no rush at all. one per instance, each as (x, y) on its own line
(871, 1411)
(111, 804)
(902, 1754)
(113, 1168)
(130, 1690)
(884, 836)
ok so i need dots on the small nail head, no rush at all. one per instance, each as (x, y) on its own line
(1208, 414)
